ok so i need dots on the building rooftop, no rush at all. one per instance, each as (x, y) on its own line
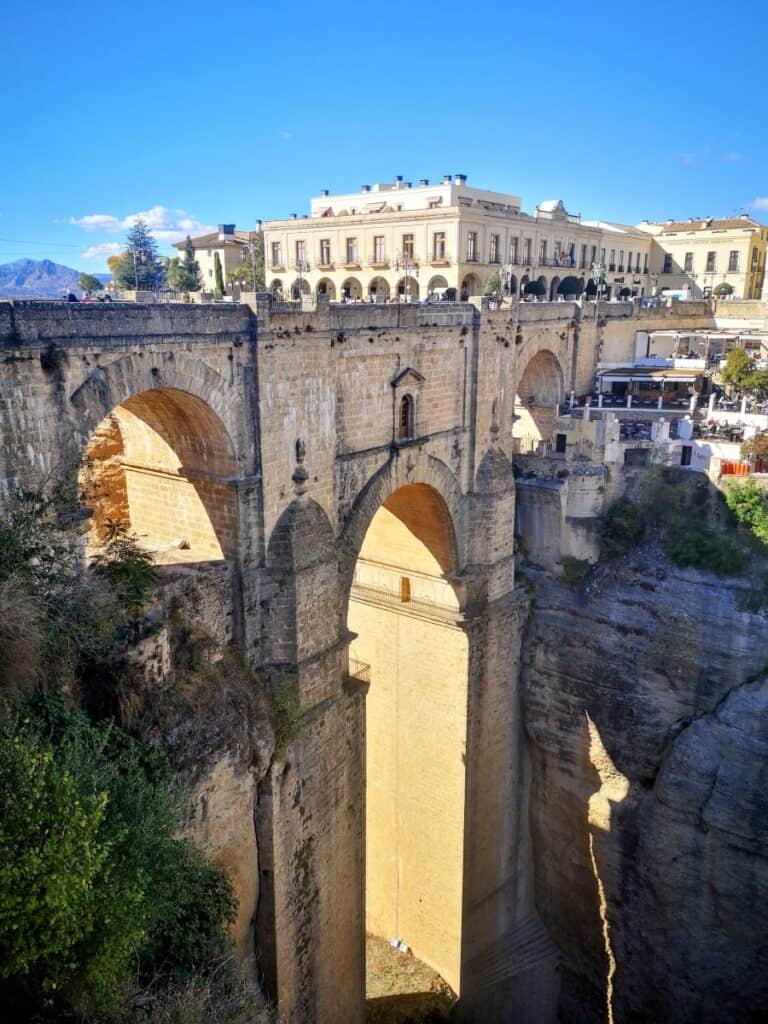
(701, 224)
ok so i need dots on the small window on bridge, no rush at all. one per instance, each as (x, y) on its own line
(405, 589)
(560, 443)
(405, 424)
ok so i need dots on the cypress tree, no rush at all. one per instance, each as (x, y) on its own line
(218, 276)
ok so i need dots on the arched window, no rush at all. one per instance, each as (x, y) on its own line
(405, 423)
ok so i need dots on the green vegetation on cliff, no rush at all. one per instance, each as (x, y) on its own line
(106, 913)
(698, 527)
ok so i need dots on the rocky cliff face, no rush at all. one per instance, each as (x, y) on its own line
(646, 700)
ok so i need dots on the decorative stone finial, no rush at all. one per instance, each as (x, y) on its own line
(300, 475)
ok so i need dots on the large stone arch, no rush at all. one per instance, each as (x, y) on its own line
(409, 467)
(111, 384)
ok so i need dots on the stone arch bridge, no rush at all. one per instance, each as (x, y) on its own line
(270, 438)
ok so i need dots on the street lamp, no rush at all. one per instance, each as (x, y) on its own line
(404, 262)
(302, 267)
(598, 277)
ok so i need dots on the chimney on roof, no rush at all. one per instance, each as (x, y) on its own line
(365, 188)
(293, 216)
(743, 216)
(423, 181)
(447, 179)
(461, 179)
(226, 230)
(399, 181)
(323, 191)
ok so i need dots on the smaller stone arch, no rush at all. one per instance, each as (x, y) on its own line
(512, 286)
(412, 293)
(554, 286)
(539, 392)
(325, 286)
(378, 289)
(542, 282)
(437, 285)
(570, 287)
(470, 286)
(351, 290)
(276, 288)
(300, 287)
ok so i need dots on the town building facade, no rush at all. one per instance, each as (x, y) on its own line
(698, 255)
(232, 246)
(398, 241)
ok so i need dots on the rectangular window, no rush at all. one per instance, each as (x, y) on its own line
(711, 262)
(612, 260)
(733, 260)
(438, 245)
(494, 249)
(755, 259)
(351, 250)
(513, 250)
(688, 265)
(527, 247)
(685, 455)
(645, 264)
(560, 442)
(594, 254)
(543, 252)
(667, 264)
(378, 249)
(301, 252)
(408, 246)
(471, 246)
(602, 256)
(583, 257)
(558, 252)
(621, 259)
(277, 254)
(325, 251)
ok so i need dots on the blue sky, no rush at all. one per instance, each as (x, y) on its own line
(202, 115)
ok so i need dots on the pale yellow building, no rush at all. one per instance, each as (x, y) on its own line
(232, 247)
(404, 241)
(697, 255)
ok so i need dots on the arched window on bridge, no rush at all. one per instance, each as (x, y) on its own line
(405, 426)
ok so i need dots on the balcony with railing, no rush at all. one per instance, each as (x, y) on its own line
(415, 433)
(392, 600)
(358, 678)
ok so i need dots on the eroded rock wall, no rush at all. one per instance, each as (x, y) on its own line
(645, 704)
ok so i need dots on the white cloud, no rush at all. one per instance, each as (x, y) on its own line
(286, 135)
(759, 203)
(105, 249)
(734, 157)
(166, 224)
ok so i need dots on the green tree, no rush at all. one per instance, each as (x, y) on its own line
(139, 267)
(738, 367)
(749, 503)
(493, 284)
(93, 881)
(89, 283)
(253, 258)
(756, 383)
(184, 273)
(723, 288)
(218, 277)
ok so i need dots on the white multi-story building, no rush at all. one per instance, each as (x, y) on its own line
(404, 241)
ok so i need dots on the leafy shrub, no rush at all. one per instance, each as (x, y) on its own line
(94, 884)
(697, 547)
(128, 570)
(749, 505)
(622, 527)
(576, 570)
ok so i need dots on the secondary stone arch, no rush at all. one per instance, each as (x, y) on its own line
(409, 467)
(539, 391)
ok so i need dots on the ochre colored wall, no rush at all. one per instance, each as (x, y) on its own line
(416, 722)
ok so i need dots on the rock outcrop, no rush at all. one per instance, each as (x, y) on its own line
(646, 700)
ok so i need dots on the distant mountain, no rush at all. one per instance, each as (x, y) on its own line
(38, 279)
